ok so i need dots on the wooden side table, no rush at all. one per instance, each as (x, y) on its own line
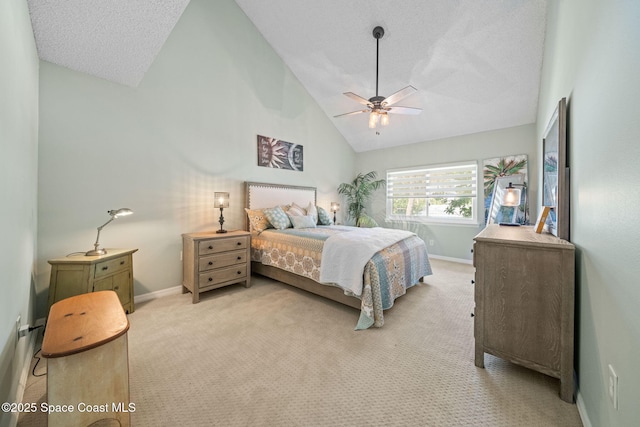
(211, 260)
(88, 365)
(80, 274)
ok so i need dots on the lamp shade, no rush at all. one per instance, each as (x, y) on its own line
(221, 200)
(373, 119)
(511, 196)
(120, 212)
(335, 206)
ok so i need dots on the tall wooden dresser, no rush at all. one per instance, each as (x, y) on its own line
(524, 296)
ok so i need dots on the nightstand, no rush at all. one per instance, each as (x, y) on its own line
(211, 260)
(80, 274)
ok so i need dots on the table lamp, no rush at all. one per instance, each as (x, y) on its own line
(512, 197)
(335, 207)
(221, 201)
(115, 213)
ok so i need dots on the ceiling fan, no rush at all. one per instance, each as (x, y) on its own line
(380, 107)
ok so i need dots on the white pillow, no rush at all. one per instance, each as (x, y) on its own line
(296, 210)
(311, 210)
(302, 221)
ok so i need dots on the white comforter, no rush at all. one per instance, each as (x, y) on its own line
(345, 255)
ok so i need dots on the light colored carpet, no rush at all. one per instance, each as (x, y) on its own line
(272, 355)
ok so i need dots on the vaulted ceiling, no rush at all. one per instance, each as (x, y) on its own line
(475, 64)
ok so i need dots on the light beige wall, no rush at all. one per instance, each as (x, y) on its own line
(592, 57)
(163, 148)
(454, 241)
(18, 186)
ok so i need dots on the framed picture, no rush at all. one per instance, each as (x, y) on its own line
(274, 153)
(494, 169)
(542, 219)
(555, 172)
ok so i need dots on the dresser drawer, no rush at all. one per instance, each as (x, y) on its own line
(222, 275)
(223, 245)
(222, 260)
(111, 266)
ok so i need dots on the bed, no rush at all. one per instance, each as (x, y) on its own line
(294, 255)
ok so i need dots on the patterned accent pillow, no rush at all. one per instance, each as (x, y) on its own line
(302, 221)
(277, 218)
(365, 221)
(296, 210)
(258, 221)
(313, 211)
(323, 217)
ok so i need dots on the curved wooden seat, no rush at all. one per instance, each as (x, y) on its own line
(83, 322)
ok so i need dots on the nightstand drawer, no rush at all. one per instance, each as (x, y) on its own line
(222, 275)
(223, 245)
(111, 266)
(222, 260)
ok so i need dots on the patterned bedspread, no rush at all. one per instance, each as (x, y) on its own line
(387, 275)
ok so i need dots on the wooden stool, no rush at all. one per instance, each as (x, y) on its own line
(88, 367)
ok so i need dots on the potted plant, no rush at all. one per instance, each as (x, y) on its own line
(358, 192)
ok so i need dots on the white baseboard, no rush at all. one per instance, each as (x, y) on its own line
(446, 258)
(582, 410)
(24, 375)
(157, 294)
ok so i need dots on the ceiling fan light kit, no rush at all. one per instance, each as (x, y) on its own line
(380, 107)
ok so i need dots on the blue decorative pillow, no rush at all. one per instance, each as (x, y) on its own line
(277, 217)
(302, 221)
(323, 217)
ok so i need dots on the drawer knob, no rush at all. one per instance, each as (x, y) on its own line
(210, 247)
(239, 243)
(211, 279)
(239, 258)
(105, 268)
(473, 282)
(473, 315)
(116, 288)
(210, 262)
(239, 272)
(121, 262)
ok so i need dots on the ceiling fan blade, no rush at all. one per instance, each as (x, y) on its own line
(402, 93)
(351, 113)
(358, 98)
(404, 110)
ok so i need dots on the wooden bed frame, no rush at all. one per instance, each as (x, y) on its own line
(261, 195)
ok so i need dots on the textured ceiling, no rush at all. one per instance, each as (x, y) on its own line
(476, 64)
(116, 40)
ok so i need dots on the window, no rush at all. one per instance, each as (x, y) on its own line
(444, 193)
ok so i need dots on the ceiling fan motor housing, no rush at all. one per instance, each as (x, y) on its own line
(377, 100)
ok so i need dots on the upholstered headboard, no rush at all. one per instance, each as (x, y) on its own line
(262, 195)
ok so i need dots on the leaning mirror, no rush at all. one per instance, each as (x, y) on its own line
(555, 172)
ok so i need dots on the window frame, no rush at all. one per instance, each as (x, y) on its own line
(476, 203)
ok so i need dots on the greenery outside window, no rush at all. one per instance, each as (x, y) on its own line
(443, 193)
